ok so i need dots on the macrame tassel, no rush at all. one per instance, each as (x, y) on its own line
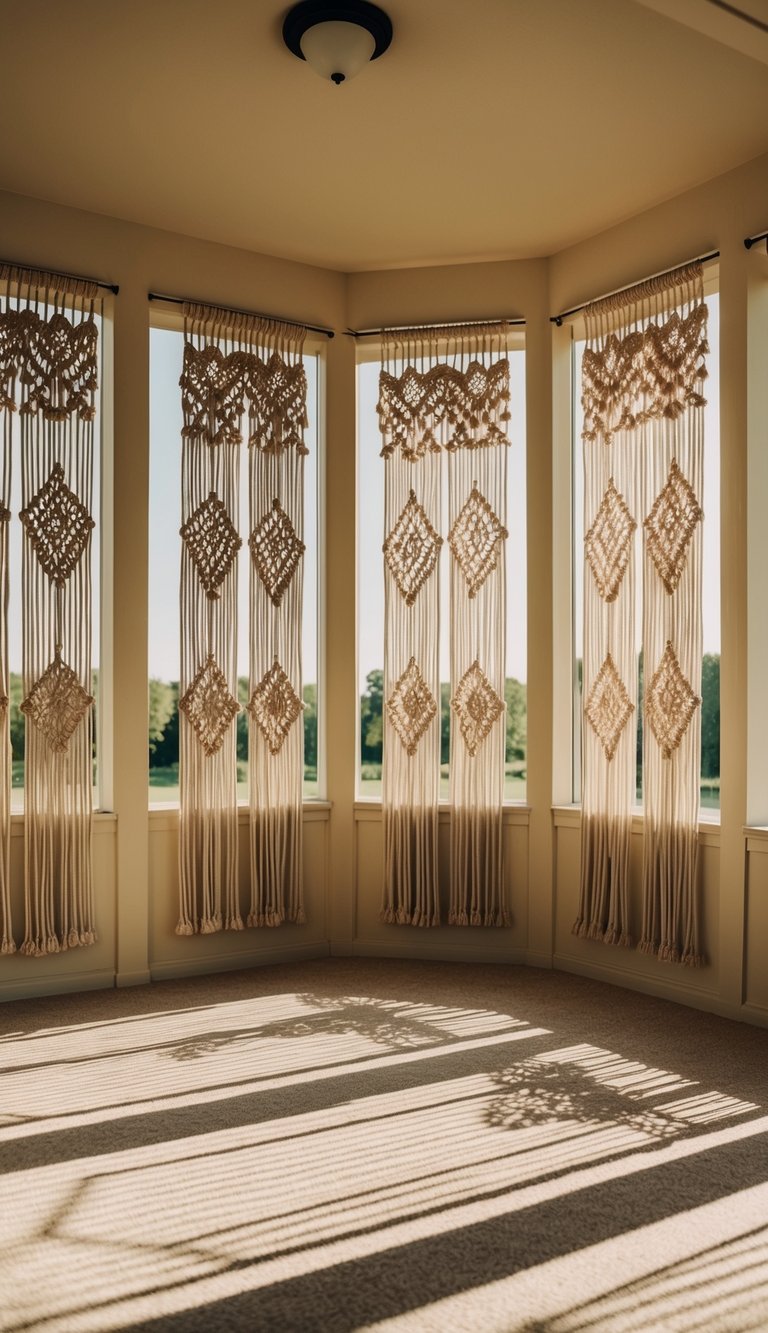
(210, 465)
(458, 918)
(277, 406)
(56, 431)
(642, 373)
(692, 960)
(477, 533)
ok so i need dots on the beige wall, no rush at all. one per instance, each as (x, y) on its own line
(135, 857)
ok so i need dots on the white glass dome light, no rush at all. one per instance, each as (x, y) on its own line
(337, 39)
(337, 51)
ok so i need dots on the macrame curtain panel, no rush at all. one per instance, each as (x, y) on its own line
(443, 408)
(49, 364)
(642, 376)
(240, 372)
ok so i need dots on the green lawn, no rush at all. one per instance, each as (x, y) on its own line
(164, 784)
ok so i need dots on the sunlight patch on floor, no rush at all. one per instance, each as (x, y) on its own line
(104, 1240)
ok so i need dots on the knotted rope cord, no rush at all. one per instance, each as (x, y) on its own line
(443, 391)
(238, 366)
(51, 338)
(643, 457)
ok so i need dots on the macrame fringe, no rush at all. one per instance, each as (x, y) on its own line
(210, 925)
(620, 939)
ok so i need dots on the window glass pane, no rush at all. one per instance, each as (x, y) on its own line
(166, 355)
(16, 717)
(370, 521)
(710, 682)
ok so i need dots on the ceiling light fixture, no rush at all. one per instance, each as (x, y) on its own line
(337, 39)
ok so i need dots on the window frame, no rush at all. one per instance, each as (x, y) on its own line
(368, 349)
(167, 316)
(567, 717)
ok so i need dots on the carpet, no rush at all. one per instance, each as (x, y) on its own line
(382, 1145)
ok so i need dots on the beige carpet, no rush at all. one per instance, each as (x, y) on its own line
(371, 1144)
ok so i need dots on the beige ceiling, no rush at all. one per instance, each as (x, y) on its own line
(493, 129)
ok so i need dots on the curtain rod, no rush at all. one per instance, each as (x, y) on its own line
(749, 241)
(564, 314)
(232, 310)
(59, 273)
(444, 324)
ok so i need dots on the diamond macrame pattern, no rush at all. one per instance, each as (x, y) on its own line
(475, 540)
(411, 707)
(212, 542)
(277, 404)
(209, 706)
(57, 703)
(274, 706)
(276, 551)
(670, 703)
(644, 376)
(58, 365)
(670, 526)
(608, 707)
(467, 408)
(477, 706)
(608, 543)
(212, 393)
(58, 526)
(411, 550)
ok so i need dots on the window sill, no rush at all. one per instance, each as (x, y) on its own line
(104, 821)
(569, 816)
(370, 811)
(757, 838)
(167, 816)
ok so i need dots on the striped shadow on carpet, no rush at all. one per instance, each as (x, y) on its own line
(370, 1144)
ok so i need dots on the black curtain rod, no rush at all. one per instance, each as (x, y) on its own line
(749, 241)
(251, 314)
(57, 273)
(444, 324)
(703, 259)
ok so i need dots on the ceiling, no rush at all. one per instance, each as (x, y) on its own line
(499, 129)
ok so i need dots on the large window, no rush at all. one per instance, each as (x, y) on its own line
(370, 651)
(15, 693)
(166, 353)
(710, 683)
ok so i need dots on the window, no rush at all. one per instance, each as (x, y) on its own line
(710, 684)
(166, 354)
(370, 651)
(15, 544)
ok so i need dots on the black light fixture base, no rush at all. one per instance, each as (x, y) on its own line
(308, 13)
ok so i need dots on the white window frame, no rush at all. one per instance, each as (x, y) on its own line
(167, 315)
